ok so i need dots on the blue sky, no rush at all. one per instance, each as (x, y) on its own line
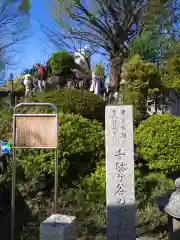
(36, 48)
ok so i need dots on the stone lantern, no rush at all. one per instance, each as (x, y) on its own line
(170, 204)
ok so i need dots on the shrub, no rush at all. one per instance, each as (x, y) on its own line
(6, 124)
(142, 80)
(173, 65)
(99, 69)
(17, 86)
(62, 62)
(171, 76)
(76, 101)
(80, 148)
(86, 200)
(143, 76)
(150, 185)
(95, 185)
(158, 142)
(136, 99)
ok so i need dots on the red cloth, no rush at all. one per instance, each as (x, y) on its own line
(41, 71)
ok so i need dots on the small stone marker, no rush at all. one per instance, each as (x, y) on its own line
(120, 193)
(58, 227)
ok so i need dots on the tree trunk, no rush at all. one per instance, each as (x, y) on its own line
(115, 72)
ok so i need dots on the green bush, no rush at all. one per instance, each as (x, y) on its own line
(150, 185)
(173, 65)
(99, 69)
(158, 142)
(171, 77)
(143, 76)
(6, 124)
(95, 185)
(17, 86)
(80, 148)
(87, 201)
(142, 80)
(62, 62)
(76, 101)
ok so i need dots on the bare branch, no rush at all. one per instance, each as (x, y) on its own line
(11, 31)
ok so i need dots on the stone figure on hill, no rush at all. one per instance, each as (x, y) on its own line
(82, 58)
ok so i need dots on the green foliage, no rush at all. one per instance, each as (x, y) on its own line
(135, 98)
(80, 148)
(62, 62)
(36, 164)
(158, 142)
(76, 101)
(99, 69)
(151, 46)
(171, 76)
(144, 46)
(95, 185)
(17, 85)
(25, 6)
(150, 185)
(173, 65)
(6, 124)
(142, 80)
(86, 199)
(144, 76)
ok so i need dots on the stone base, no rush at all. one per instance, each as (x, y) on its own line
(58, 227)
(144, 238)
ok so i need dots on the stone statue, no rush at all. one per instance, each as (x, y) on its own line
(82, 58)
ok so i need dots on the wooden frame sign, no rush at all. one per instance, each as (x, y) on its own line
(36, 130)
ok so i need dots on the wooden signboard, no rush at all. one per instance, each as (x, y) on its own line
(38, 131)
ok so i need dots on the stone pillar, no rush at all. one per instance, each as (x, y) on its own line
(120, 193)
(58, 227)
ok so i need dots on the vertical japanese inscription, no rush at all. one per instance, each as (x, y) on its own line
(120, 173)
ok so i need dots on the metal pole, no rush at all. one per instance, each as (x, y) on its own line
(14, 163)
(12, 85)
(11, 77)
(56, 182)
(56, 168)
(13, 193)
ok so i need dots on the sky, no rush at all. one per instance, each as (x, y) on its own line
(36, 48)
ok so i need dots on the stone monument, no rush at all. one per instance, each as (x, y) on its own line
(120, 193)
(58, 227)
